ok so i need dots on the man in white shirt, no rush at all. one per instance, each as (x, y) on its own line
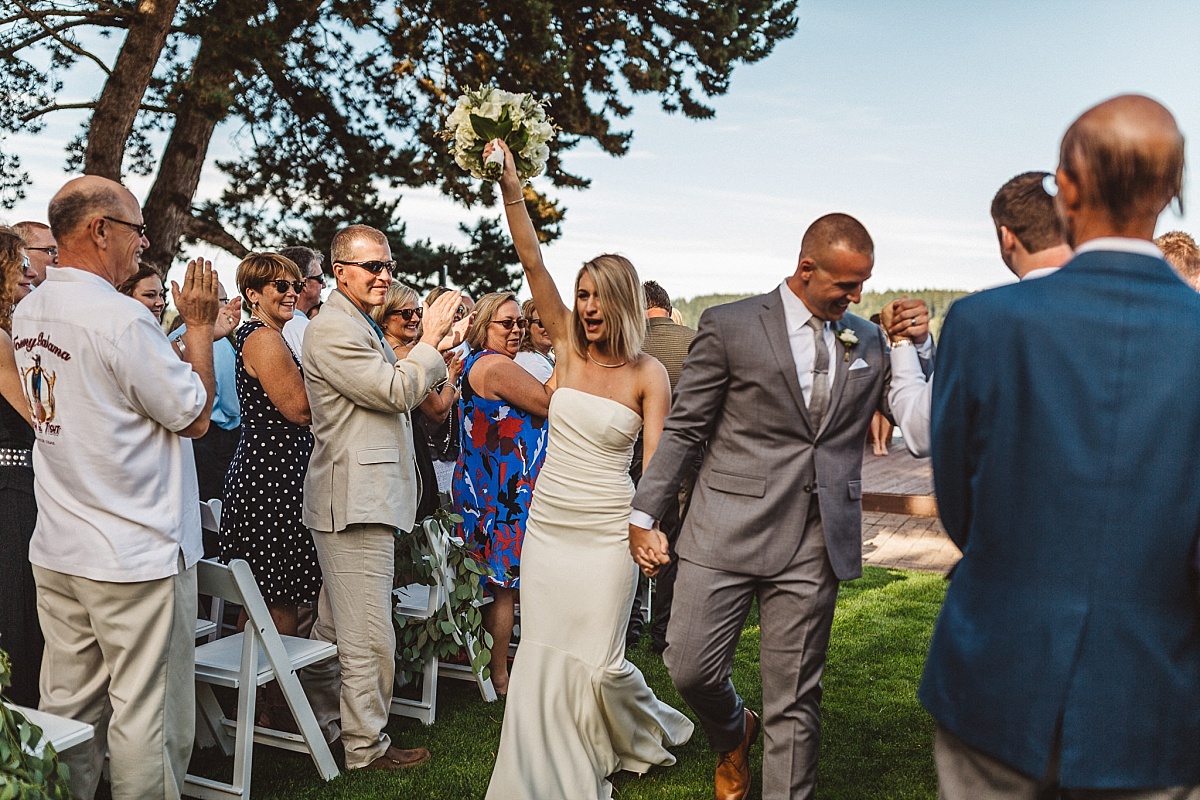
(309, 262)
(118, 530)
(39, 246)
(1031, 245)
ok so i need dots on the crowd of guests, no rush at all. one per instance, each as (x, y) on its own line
(329, 419)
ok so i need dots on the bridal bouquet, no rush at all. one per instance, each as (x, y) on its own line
(489, 113)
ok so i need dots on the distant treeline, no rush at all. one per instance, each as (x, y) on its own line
(938, 300)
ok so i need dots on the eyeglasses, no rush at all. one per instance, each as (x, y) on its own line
(50, 251)
(407, 313)
(536, 321)
(318, 278)
(374, 267)
(139, 227)
(282, 285)
(507, 324)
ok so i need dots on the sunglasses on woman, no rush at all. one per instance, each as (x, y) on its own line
(282, 285)
(507, 324)
(407, 313)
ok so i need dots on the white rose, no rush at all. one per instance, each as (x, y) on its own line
(489, 110)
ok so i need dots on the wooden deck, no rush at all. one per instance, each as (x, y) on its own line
(900, 524)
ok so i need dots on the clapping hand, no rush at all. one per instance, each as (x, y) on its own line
(228, 317)
(439, 317)
(196, 300)
(649, 548)
(906, 319)
(457, 334)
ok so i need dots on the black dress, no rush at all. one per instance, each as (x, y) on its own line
(20, 633)
(262, 510)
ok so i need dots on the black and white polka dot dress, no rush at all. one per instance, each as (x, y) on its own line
(261, 515)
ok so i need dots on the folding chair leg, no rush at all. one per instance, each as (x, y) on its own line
(303, 714)
(211, 713)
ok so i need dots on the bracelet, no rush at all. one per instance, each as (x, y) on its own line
(902, 343)
(514, 202)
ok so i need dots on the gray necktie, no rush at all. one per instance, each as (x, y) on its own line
(818, 402)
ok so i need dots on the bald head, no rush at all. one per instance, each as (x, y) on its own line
(83, 199)
(1124, 161)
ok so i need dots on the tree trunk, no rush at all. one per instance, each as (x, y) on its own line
(117, 107)
(168, 207)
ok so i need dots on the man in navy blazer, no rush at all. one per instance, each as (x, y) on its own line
(1066, 447)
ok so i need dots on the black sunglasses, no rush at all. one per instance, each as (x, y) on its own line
(407, 313)
(507, 324)
(374, 267)
(283, 284)
(536, 321)
(139, 227)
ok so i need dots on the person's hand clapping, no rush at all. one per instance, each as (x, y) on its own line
(457, 334)
(196, 300)
(439, 317)
(228, 317)
(906, 319)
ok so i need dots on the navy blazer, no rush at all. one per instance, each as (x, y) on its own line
(1066, 455)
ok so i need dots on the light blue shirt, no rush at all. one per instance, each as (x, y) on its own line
(227, 412)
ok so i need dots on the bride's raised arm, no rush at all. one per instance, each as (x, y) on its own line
(555, 315)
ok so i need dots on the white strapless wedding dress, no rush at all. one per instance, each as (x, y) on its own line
(577, 711)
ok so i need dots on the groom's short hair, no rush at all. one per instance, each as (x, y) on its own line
(836, 229)
(1024, 207)
(341, 248)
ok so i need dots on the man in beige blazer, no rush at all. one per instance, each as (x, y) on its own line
(361, 487)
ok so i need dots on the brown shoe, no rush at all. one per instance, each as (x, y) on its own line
(733, 768)
(395, 758)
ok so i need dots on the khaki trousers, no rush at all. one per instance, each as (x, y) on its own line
(965, 773)
(355, 612)
(121, 656)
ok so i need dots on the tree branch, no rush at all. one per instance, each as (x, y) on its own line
(211, 231)
(24, 44)
(74, 48)
(32, 115)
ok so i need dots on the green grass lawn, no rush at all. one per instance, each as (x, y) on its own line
(877, 739)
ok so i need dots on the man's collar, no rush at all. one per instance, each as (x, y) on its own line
(795, 313)
(1041, 272)
(65, 273)
(1121, 244)
(342, 297)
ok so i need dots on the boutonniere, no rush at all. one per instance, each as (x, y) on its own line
(849, 341)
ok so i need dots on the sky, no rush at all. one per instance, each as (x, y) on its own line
(908, 116)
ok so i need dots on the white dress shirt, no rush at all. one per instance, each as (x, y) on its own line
(293, 331)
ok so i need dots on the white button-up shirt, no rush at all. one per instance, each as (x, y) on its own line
(115, 485)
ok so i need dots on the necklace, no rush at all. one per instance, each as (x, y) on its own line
(588, 351)
(254, 315)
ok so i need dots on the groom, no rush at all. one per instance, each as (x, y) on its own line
(782, 388)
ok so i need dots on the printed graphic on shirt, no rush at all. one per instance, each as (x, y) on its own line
(38, 384)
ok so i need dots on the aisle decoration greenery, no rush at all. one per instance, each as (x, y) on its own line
(29, 765)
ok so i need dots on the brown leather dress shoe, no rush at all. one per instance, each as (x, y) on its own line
(395, 758)
(733, 768)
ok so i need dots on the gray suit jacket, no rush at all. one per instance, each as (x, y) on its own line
(740, 394)
(362, 470)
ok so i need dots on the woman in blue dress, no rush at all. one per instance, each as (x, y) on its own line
(502, 416)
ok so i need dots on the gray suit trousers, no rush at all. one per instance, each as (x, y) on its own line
(796, 614)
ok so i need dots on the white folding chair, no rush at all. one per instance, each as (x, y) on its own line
(61, 732)
(210, 520)
(244, 662)
(419, 602)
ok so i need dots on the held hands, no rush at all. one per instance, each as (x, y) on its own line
(197, 300)
(906, 319)
(439, 317)
(649, 549)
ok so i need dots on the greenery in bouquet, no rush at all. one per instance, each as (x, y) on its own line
(424, 555)
(488, 113)
(29, 766)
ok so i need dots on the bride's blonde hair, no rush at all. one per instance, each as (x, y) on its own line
(619, 293)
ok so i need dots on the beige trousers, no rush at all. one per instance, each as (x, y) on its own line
(965, 773)
(121, 656)
(355, 613)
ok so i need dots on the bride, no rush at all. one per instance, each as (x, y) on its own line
(577, 711)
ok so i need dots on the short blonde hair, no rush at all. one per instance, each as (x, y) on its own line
(619, 293)
(258, 269)
(486, 308)
(398, 294)
(345, 239)
(1181, 253)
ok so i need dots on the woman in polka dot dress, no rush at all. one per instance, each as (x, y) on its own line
(261, 515)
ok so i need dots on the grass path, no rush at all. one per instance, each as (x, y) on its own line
(877, 739)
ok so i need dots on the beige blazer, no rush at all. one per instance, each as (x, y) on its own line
(362, 470)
